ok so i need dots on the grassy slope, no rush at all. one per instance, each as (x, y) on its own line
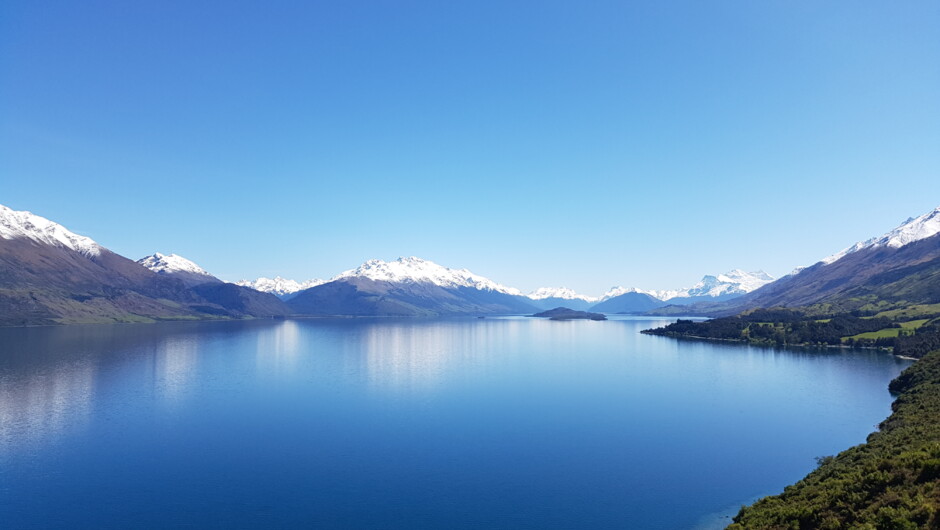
(911, 311)
(892, 332)
(890, 482)
(880, 334)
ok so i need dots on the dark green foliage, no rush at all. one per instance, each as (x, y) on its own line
(781, 327)
(730, 328)
(925, 339)
(773, 315)
(924, 371)
(892, 481)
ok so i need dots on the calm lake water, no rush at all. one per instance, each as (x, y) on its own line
(380, 423)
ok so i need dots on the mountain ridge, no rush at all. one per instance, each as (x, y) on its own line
(49, 275)
(897, 268)
(910, 231)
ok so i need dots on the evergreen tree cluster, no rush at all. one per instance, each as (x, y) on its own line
(926, 339)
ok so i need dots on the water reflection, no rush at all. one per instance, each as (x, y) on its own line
(175, 363)
(417, 355)
(50, 377)
(38, 405)
(279, 345)
(399, 356)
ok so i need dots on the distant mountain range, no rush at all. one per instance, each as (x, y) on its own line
(414, 286)
(733, 283)
(616, 300)
(51, 275)
(710, 289)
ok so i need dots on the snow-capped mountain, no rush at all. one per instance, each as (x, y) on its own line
(735, 282)
(170, 264)
(25, 225)
(280, 287)
(178, 267)
(417, 270)
(712, 288)
(732, 282)
(50, 275)
(914, 229)
(409, 287)
(562, 293)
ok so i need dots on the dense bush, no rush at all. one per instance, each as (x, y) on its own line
(719, 328)
(926, 339)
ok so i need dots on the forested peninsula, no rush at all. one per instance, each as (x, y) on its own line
(911, 332)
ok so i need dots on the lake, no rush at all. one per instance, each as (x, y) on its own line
(394, 423)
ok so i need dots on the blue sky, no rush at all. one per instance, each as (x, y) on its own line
(539, 143)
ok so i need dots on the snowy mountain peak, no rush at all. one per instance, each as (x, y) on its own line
(732, 282)
(416, 270)
(617, 291)
(279, 286)
(914, 229)
(168, 264)
(21, 224)
(738, 275)
(735, 281)
(559, 292)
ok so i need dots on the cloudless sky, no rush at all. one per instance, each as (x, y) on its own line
(543, 143)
